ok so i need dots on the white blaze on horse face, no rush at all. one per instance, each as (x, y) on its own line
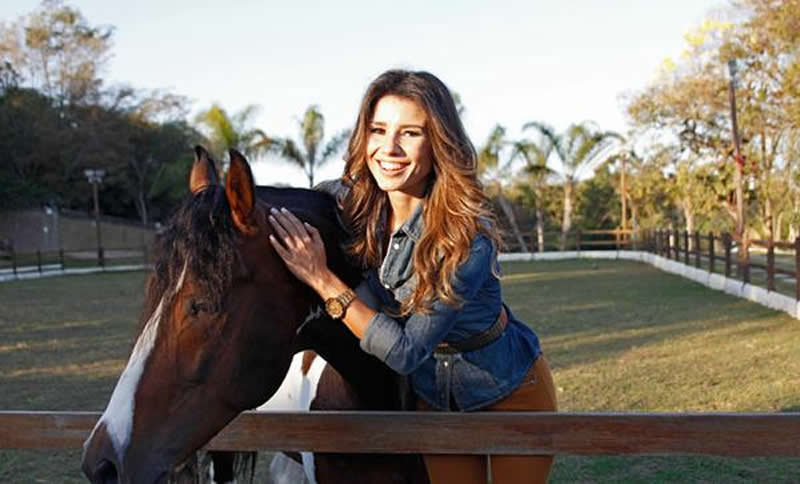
(118, 416)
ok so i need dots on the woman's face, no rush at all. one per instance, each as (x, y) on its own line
(399, 152)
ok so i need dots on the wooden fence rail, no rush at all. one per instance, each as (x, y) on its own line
(720, 434)
(676, 245)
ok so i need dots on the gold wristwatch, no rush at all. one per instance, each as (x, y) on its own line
(336, 306)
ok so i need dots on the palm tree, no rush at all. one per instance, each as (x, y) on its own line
(535, 154)
(225, 132)
(578, 149)
(312, 132)
(490, 168)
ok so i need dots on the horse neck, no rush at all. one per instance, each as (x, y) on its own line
(373, 380)
(375, 383)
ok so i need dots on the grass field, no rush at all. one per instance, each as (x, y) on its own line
(620, 336)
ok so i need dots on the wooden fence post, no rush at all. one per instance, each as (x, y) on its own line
(770, 265)
(697, 248)
(578, 240)
(39, 260)
(711, 252)
(14, 262)
(797, 268)
(746, 269)
(677, 248)
(61, 258)
(686, 247)
(726, 238)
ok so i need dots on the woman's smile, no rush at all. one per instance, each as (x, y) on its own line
(392, 167)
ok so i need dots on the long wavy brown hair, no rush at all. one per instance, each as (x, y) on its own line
(456, 208)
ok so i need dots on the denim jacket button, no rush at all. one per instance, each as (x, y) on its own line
(396, 245)
(445, 364)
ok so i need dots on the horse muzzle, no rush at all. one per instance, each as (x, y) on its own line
(101, 465)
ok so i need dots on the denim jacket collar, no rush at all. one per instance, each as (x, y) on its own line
(412, 227)
(415, 223)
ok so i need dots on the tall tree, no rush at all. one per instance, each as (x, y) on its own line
(578, 149)
(491, 169)
(310, 153)
(646, 191)
(226, 131)
(56, 51)
(694, 100)
(535, 154)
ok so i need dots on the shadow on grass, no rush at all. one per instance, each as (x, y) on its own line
(586, 311)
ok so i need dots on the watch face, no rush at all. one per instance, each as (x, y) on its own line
(334, 308)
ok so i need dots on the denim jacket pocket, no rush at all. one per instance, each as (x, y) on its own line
(468, 375)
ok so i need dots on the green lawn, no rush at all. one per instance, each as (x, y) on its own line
(619, 335)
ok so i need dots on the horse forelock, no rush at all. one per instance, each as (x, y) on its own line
(201, 237)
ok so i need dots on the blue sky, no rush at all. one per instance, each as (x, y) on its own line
(511, 61)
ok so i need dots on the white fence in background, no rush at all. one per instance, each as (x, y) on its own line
(758, 295)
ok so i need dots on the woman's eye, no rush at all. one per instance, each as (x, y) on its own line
(413, 134)
(376, 130)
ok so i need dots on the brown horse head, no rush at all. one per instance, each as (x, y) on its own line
(220, 321)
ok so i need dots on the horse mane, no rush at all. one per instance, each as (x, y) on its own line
(201, 235)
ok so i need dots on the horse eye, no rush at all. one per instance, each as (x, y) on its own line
(195, 307)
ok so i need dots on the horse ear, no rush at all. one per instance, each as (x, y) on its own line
(240, 191)
(203, 174)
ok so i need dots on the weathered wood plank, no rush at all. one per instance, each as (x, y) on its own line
(473, 433)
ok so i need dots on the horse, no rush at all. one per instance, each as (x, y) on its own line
(222, 320)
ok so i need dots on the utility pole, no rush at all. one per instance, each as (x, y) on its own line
(95, 177)
(738, 179)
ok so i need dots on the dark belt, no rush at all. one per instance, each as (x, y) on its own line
(477, 340)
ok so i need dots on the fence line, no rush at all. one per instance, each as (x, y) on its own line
(18, 265)
(681, 246)
(557, 433)
(675, 245)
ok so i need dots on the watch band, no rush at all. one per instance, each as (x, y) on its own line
(346, 298)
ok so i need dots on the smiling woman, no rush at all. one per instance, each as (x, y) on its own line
(431, 307)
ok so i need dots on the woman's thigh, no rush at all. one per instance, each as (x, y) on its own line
(536, 392)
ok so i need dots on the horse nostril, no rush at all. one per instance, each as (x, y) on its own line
(105, 472)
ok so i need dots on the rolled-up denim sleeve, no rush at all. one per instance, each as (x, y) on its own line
(404, 347)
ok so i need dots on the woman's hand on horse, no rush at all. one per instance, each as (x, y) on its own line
(300, 246)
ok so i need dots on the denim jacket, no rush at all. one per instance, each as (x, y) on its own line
(468, 380)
